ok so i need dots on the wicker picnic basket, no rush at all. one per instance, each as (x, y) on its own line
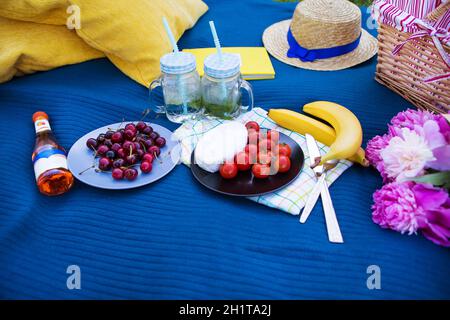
(419, 59)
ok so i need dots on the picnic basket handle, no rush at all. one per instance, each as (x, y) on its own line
(156, 83)
(247, 87)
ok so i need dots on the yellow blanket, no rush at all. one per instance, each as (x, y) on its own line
(38, 35)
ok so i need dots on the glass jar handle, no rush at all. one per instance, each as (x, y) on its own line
(156, 83)
(247, 87)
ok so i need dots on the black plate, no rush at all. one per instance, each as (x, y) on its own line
(244, 184)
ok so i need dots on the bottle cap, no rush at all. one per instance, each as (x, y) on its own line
(39, 115)
(177, 62)
(222, 67)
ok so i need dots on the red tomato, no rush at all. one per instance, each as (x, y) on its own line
(228, 170)
(243, 161)
(284, 149)
(252, 125)
(261, 171)
(263, 134)
(264, 145)
(264, 157)
(284, 163)
(252, 136)
(252, 151)
(274, 136)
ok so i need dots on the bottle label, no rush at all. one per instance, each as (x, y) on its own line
(41, 125)
(49, 159)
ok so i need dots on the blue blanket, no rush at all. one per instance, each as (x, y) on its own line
(176, 239)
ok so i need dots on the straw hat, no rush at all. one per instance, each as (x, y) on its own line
(324, 35)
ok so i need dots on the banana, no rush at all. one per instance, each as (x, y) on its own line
(360, 157)
(303, 124)
(347, 127)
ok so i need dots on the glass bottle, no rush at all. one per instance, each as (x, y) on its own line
(49, 159)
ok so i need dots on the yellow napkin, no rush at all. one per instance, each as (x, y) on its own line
(255, 62)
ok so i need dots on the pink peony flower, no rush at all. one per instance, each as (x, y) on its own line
(435, 202)
(411, 118)
(395, 208)
(416, 141)
(406, 156)
(442, 156)
(434, 128)
(373, 149)
(444, 127)
(437, 142)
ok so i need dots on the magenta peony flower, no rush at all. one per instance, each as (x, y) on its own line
(374, 146)
(435, 202)
(411, 118)
(416, 142)
(373, 150)
(395, 208)
(444, 127)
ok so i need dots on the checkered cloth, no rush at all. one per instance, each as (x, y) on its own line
(292, 198)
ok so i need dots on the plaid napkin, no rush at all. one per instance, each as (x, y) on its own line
(292, 198)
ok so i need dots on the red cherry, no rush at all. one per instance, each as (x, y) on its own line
(117, 137)
(102, 150)
(154, 150)
(146, 167)
(129, 134)
(130, 174)
(117, 174)
(104, 164)
(148, 157)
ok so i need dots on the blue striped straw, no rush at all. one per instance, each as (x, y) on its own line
(175, 48)
(170, 35)
(219, 52)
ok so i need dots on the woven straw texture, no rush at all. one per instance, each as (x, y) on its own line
(405, 72)
(436, 14)
(318, 24)
(324, 23)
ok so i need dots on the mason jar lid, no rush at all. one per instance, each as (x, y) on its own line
(177, 62)
(224, 67)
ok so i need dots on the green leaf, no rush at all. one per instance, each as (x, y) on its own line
(437, 179)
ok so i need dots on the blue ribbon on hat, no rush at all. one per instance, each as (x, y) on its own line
(309, 55)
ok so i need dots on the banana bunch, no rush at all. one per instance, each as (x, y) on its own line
(344, 138)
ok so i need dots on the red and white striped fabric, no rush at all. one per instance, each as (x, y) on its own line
(410, 16)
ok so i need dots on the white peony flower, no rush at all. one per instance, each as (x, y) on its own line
(405, 157)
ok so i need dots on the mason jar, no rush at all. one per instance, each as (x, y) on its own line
(181, 87)
(222, 87)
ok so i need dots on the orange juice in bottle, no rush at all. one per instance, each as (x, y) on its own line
(49, 159)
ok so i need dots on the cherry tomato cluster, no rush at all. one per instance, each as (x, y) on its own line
(262, 154)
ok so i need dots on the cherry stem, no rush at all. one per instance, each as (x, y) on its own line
(123, 120)
(143, 146)
(145, 114)
(93, 162)
(91, 167)
(157, 158)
